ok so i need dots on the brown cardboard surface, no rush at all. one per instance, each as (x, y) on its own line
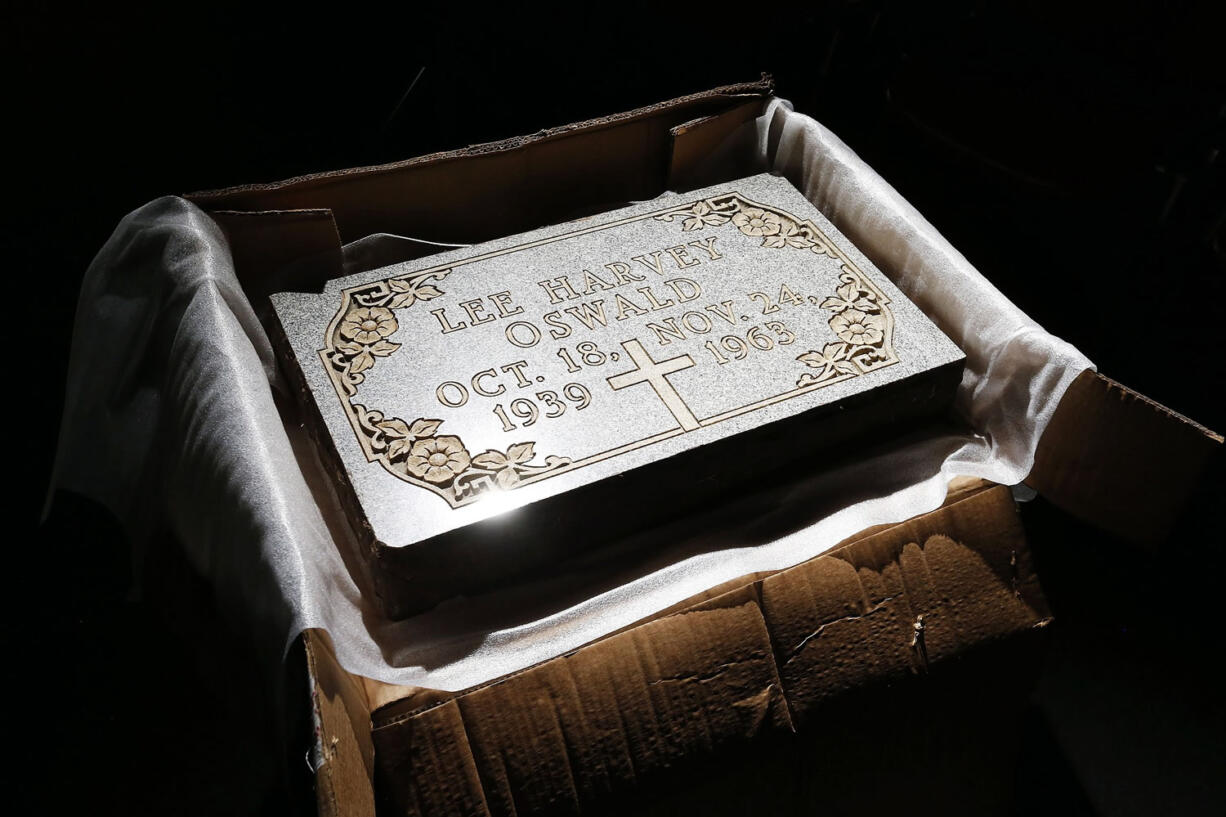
(344, 752)
(563, 736)
(700, 145)
(902, 599)
(426, 766)
(1119, 460)
(730, 676)
(276, 249)
(481, 192)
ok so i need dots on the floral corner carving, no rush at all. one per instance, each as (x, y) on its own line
(861, 316)
(413, 451)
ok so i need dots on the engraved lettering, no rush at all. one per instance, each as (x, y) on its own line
(707, 245)
(461, 394)
(502, 300)
(441, 315)
(724, 310)
(848, 333)
(622, 273)
(517, 369)
(523, 334)
(669, 328)
(677, 285)
(626, 308)
(554, 286)
(589, 313)
(474, 308)
(594, 283)
(696, 322)
(655, 264)
(680, 256)
(481, 390)
(651, 299)
(561, 329)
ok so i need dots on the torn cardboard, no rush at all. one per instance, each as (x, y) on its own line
(727, 675)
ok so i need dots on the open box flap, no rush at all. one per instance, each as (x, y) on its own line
(502, 187)
(1119, 460)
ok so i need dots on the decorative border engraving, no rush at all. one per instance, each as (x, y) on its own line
(862, 322)
(360, 333)
(414, 452)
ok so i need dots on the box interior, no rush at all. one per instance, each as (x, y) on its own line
(1109, 456)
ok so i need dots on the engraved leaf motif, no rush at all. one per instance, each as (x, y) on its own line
(384, 348)
(350, 349)
(850, 296)
(394, 429)
(788, 234)
(835, 351)
(506, 478)
(408, 293)
(363, 361)
(701, 214)
(399, 448)
(792, 236)
(832, 359)
(491, 460)
(813, 359)
(521, 452)
(424, 428)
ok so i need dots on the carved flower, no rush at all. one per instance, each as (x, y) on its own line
(400, 436)
(367, 325)
(753, 221)
(857, 328)
(438, 459)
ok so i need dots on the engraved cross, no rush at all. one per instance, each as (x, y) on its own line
(656, 374)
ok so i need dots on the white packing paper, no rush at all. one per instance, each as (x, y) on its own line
(170, 418)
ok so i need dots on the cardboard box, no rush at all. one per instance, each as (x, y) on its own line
(900, 656)
(915, 641)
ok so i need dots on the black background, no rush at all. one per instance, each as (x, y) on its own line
(1072, 155)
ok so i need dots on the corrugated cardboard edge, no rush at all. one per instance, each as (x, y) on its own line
(624, 712)
(755, 661)
(902, 599)
(275, 250)
(343, 753)
(1119, 460)
(500, 188)
(211, 198)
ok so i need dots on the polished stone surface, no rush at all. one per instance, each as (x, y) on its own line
(466, 384)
